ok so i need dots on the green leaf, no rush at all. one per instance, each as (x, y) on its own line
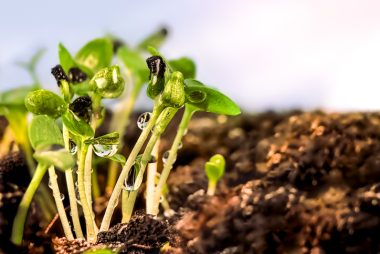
(215, 167)
(118, 158)
(43, 132)
(215, 101)
(61, 158)
(76, 125)
(108, 139)
(184, 65)
(135, 64)
(96, 54)
(44, 102)
(65, 58)
(108, 82)
(15, 97)
(154, 40)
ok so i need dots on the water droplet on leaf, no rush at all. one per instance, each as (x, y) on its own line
(197, 96)
(165, 156)
(143, 120)
(130, 181)
(73, 148)
(62, 196)
(104, 150)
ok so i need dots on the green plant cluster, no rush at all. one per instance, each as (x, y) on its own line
(62, 131)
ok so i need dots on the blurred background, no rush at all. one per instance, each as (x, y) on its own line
(264, 54)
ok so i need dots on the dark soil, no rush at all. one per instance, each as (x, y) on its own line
(294, 183)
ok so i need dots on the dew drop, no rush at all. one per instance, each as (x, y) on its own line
(104, 150)
(197, 96)
(50, 185)
(152, 159)
(165, 156)
(161, 199)
(130, 181)
(180, 145)
(62, 196)
(143, 120)
(73, 148)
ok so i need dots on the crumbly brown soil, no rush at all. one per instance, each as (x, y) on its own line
(294, 183)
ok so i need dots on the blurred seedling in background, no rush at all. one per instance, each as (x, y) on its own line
(214, 169)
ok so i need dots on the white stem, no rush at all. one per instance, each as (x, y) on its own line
(59, 204)
(73, 203)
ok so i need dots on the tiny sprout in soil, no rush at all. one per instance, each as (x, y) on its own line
(62, 135)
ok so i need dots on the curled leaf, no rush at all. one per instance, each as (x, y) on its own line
(44, 102)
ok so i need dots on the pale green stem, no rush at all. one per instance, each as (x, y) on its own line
(112, 203)
(87, 211)
(151, 178)
(22, 211)
(168, 165)
(211, 188)
(73, 203)
(95, 185)
(157, 132)
(71, 189)
(58, 202)
(119, 123)
(128, 205)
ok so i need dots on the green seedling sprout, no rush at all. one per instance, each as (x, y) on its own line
(132, 61)
(84, 81)
(214, 169)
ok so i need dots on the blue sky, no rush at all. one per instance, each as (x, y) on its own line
(264, 54)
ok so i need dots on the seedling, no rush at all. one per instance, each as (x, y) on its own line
(84, 81)
(214, 169)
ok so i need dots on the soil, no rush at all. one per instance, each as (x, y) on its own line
(295, 183)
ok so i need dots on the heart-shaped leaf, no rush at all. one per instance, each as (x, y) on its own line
(44, 132)
(214, 101)
(76, 125)
(215, 168)
(96, 54)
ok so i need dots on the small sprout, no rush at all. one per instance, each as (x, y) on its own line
(214, 170)
(174, 93)
(82, 106)
(44, 102)
(76, 75)
(108, 82)
(157, 69)
(59, 74)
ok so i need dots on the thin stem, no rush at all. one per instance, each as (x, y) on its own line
(211, 188)
(129, 163)
(150, 179)
(95, 185)
(157, 132)
(71, 189)
(119, 123)
(73, 203)
(171, 159)
(22, 211)
(128, 205)
(87, 211)
(59, 204)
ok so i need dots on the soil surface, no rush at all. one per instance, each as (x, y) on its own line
(295, 183)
